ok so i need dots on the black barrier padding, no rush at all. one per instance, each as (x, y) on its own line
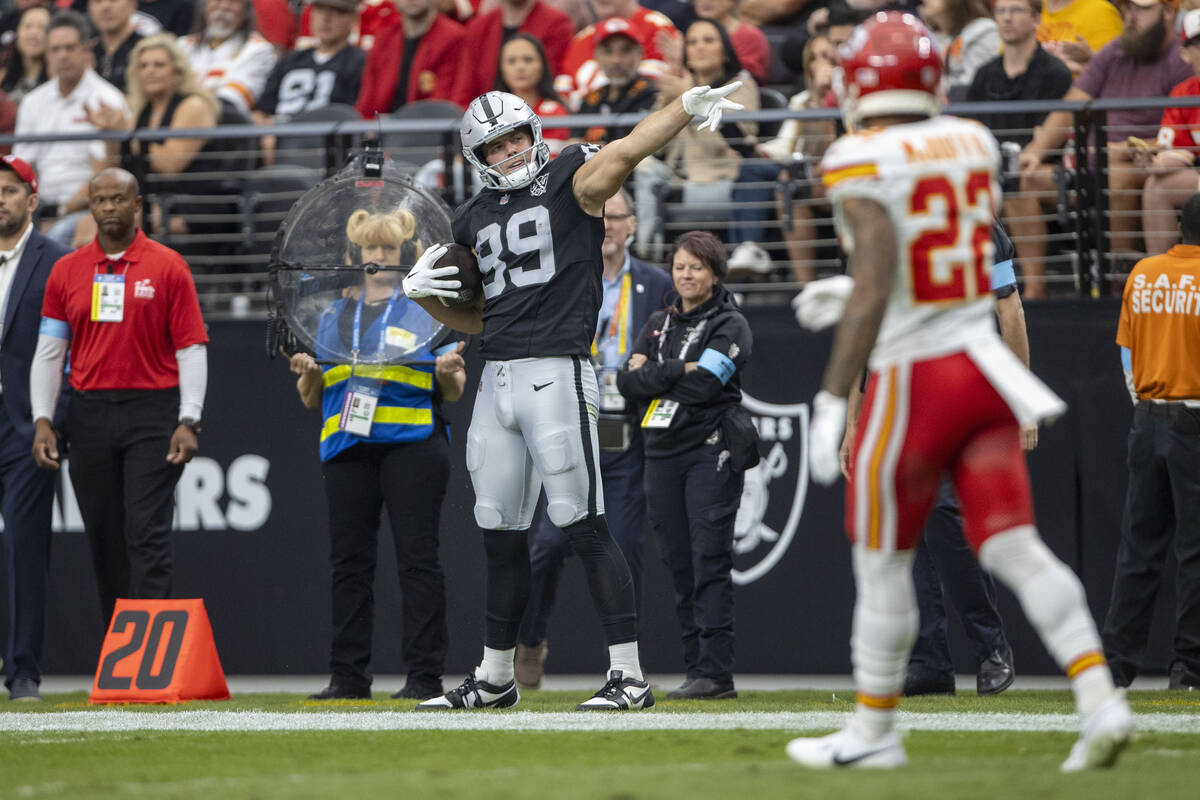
(267, 590)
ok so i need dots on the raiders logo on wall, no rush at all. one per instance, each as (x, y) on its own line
(773, 495)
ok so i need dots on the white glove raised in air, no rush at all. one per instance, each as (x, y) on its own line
(825, 438)
(703, 101)
(821, 303)
(424, 280)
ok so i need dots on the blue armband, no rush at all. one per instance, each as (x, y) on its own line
(1126, 359)
(718, 364)
(1003, 275)
(54, 328)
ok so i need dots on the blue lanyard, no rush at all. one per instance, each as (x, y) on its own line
(387, 312)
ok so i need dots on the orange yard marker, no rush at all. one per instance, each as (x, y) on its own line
(158, 651)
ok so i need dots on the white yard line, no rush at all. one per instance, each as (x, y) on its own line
(110, 720)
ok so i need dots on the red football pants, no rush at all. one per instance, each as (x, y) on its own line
(917, 421)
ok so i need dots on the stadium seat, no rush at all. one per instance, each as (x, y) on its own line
(267, 196)
(314, 151)
(419, 148)
(769, 99)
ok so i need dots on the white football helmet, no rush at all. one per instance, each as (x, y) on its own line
(495, 114)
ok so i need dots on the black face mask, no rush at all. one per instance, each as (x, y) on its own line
(1145, 45)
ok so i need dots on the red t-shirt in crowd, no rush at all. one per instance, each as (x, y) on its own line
(161, 315)
(753, 50)
(276, 22)
(1181, 126)
(546, 109)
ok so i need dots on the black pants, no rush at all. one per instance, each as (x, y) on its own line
(625, 510)
(409, 479)
(126, 488)
(27, 503)
(944, 562)
(692, 501)
(1163, 499)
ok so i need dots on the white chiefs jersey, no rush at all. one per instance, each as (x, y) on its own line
(937, 180)
(236, 70)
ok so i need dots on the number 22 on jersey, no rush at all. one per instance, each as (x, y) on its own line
(965, 212)
(527, 237)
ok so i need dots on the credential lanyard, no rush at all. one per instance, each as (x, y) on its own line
(356, 334)
(619, 324)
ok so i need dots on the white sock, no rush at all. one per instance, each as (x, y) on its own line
(1092, 684)
(1053, 600)
(624, 657)
(497, 666)
(885, 627)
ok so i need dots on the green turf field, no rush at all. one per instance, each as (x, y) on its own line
(66, 748)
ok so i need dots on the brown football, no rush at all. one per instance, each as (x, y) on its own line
(468, 273)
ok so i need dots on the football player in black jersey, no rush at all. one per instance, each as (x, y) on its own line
(536, 229)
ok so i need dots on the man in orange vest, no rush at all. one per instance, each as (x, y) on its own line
(1159, 334)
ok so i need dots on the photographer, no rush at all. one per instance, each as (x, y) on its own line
(686, 371)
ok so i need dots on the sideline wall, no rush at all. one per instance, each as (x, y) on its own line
(252, 542)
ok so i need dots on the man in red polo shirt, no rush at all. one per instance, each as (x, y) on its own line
(127, 308)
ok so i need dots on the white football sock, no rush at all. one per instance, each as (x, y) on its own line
(497, 666)
(885, 627)
(624, 656)
(1053, 600)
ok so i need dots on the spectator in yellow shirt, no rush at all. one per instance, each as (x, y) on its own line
(1074, 29)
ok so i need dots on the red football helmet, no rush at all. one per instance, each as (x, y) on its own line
(890, 65)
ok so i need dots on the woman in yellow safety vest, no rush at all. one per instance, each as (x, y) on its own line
(383, 444)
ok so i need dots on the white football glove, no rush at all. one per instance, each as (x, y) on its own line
(825, 438)
(821, 303)
(423, 280)
(702, 101)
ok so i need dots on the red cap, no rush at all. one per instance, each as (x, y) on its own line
(613, 26)
(23, 170)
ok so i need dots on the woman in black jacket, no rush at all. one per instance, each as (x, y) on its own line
(685, 372)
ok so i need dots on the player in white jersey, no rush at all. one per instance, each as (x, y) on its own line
(914, 195)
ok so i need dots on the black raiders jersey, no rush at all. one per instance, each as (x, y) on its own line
(539, 254)
(299, 83)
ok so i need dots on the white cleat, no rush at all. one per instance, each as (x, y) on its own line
(619, 694)
(848, 749)
(473, 693)
(1106, 732)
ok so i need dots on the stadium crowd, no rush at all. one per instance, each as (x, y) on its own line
(193, 64)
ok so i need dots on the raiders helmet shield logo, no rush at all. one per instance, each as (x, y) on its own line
(773, 492)
(539, 185)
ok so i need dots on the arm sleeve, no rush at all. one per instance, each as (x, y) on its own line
(193, 380)
(716, 365)
(45, 374)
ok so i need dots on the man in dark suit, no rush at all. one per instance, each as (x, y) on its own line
(26, 493)
(633, 290)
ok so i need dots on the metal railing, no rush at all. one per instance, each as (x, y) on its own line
(230, 227)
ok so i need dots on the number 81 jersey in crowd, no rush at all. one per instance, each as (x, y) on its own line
(539, 254)
(937, 180)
